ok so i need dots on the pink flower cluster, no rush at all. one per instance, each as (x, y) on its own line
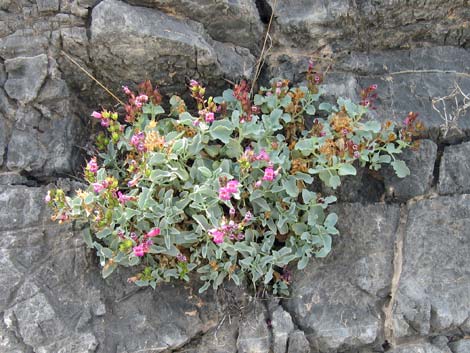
(92, 165)
(100, 186)
(104, 121)
(137, 140)
(225, 193)
(144, 247)
(123, 198)
(231, 230)
(269, 173)
(140, 100)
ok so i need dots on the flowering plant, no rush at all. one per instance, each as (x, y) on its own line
(225, 192)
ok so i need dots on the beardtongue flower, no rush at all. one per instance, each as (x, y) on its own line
(217, 236)
(209, 117)
(123, 198)
(269, 174)
(138, 250)
(232, 186)
(98, 187)
(153, 233)
(224, 194)
(105, 122)
(96, 115)
(262, 156)
(92, 166)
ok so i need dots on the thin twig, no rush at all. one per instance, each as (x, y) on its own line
(261, 57)
(92, 77)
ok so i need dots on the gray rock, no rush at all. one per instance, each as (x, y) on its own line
(25, 77)
(126, 38)
(461, 346)
(454, 170)
(420, 161)
(48, 5)
(282, 326)
(339, 312)
(3, 142)
(21, 206)
(52, 140)
(408, 80)
(298, 343)
(25, 43)
(367, 25)
(229, 21)
(417, 348)
(254, 335)
(433, 295)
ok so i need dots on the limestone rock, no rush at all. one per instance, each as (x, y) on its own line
(226, 21)
(47, 5)
(282, 326)
(454, 170)
(127, 38)
(433, 294)
(25, 77)
(333, 300)
(254, 335)
(417, 348)
(420, 161)
(461, 346)
(298, 343)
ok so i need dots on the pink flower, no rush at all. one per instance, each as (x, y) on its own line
(373, 87)
(47, 198)
(269, 174)
(224, 194)
(217, 236)
(180, 257)
(262, 156)
(196, 122)
(209, 117)
(248, 217)
(98, 187)
(139, 250)
(96, 115)
(258, 184)
(133, 182)
(126, 90)
(323, 133)
(231, 212)
(142, 98)
(123, 198)
(105, 122)
(356, 154)
(92, 166)
(153, 233)
(345, 131)
(193, 83)
(232, 186)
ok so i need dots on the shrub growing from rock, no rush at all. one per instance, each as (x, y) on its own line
(224, 190)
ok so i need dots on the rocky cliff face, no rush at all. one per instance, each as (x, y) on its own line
(398, 279)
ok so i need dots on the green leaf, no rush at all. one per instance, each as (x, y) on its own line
(152, 110)
(326, 107)
(87, 237)
(331, 220)
(206, 173)
(346, 169)
(103, 233)
(373, 126)
(290, 186)
(400, 168)
(334, 181)
(233, 149)
(222, 133)
(108, 269)
(302, 263)
(310, 110)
